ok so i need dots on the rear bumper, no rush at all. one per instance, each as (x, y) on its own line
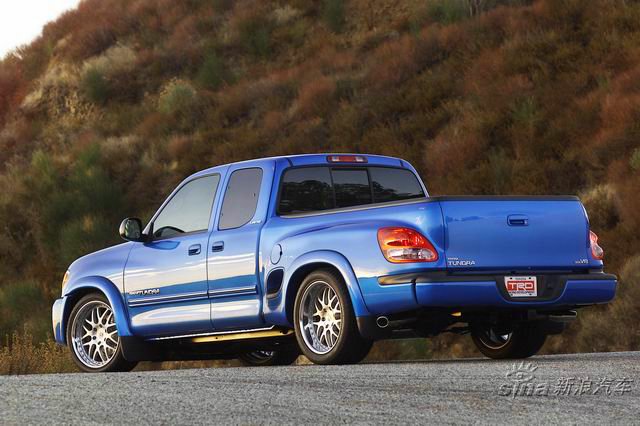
(57, 317)
(455, 291)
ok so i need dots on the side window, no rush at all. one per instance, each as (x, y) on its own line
(240, 198)
(189, 210)
(351, 187)
(307, 189)
(394, 184)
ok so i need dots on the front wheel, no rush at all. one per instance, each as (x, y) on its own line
(500, 342)
(92, 336)
(325, 324)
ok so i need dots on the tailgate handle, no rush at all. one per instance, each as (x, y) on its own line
(517, 220)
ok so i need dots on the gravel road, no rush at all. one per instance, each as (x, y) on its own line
(593, 388)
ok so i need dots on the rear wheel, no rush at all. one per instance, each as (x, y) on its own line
(92, 336)
(498, 342)
(325, 324)
(265, 358)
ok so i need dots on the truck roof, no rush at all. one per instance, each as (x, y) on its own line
(313, 159)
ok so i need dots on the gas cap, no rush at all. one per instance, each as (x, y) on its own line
(276, 254)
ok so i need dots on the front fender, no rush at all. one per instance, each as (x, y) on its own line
(276, 307)
(109, 289)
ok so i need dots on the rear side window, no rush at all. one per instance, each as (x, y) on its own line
(306, 190)
(240, 198)
(313, 189)
(394, 184)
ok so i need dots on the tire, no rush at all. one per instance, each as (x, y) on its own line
(334, 339)
(270, 358)
(92, 320)
(521, 342)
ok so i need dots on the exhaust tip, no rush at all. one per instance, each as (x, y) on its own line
(382, 322)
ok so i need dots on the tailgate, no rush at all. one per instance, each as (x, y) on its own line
(515, 233)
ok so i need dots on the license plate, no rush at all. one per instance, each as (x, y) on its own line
(521, 286)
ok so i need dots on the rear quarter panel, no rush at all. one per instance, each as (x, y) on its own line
(353, 234)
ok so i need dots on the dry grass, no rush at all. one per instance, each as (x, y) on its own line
(20, 355)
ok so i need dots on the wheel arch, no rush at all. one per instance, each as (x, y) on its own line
(80, 288)
(313, 261)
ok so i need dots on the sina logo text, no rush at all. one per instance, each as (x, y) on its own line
(521, 382)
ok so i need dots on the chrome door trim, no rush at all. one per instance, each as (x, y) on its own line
(236, 291)
(183, 336)
(182, 297)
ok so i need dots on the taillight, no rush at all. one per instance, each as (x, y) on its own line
(403, 245)
(596, 251)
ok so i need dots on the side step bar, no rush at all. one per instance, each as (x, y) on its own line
(255, 333)
(242, 336)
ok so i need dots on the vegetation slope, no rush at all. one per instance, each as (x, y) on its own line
(119, 100)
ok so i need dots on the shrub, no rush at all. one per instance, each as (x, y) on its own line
(222, 5)
(315, 97)
(393, 63)
(89, 41)
(177, 97)
(600, 203)
(10, 82)
(293, 33)
(13, 298)
(333, 14)
(254, 31)
(212, 73)
(115, 60)
(95, 86)
(634, 161)
(447, 11)
(285, 14)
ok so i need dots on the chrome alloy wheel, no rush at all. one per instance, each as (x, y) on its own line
(494, 340)
(320, 317)
(94, 335)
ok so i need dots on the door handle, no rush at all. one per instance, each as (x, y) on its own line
(217, 246)
(518, 220)
(195, 249)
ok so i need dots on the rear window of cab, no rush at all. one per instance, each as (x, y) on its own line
(321, 188)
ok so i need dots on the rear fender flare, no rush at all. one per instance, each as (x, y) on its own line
(339, 262)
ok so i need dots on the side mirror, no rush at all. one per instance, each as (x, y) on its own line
(131, 229)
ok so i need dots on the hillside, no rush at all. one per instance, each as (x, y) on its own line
(118, 100)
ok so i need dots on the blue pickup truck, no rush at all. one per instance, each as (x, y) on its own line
(322, 255)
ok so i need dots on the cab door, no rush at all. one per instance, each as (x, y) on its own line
(233, 269)
(165, 279)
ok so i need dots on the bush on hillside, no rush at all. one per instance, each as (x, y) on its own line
(333, 14)
(95, 86)
(177, 97)
(254, 31)
(447, 11)
(212, 73)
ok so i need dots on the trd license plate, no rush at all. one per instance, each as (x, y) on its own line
(523, 286)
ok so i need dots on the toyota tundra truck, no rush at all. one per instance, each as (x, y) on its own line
(322, 255)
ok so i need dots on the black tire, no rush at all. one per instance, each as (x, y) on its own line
(360, 353)
(523, 341)
(349, 347)
(116, 362)
(267, 358)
